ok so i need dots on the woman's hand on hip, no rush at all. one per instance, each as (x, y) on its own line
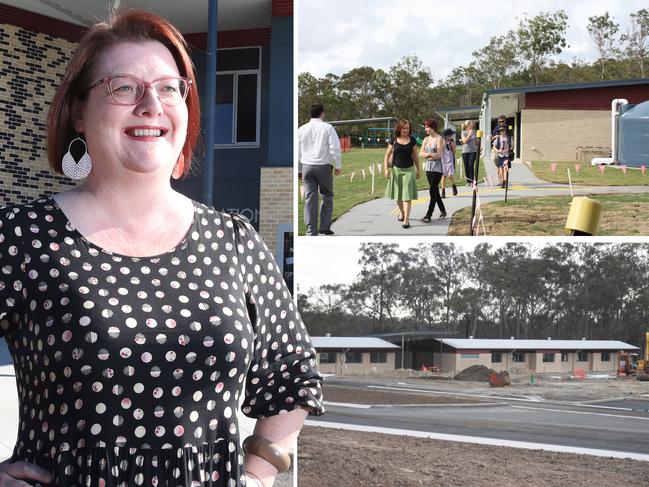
(11, 474)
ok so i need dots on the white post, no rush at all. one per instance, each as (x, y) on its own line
(373, 171)
(570, 183)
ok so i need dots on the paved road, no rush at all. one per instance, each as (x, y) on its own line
(519, 419)
(379, 216)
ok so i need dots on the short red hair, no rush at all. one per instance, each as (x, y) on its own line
(131, 26)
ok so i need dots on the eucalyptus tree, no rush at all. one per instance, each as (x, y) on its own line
(602, 30)
(636, 41)
(539, 38)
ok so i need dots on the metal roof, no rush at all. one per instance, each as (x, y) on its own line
(570, 86)
(188, 17)
(341, 343)
(508, 344)
(469, 108)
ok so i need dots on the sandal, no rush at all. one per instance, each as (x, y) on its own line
(426, 219)
(400, 218)
(406, 225)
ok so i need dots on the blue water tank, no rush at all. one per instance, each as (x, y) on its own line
(633, 135)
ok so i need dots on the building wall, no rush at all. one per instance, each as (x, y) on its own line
(553, 135)
(596, 98)
(542, 367)
(366, 367)
(33, 65)
(276, 202)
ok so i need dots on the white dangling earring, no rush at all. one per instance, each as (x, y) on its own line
(74, 169)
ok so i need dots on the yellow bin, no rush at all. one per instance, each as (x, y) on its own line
(584, 214)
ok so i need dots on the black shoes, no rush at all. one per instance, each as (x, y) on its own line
(443, 192)
(454, 190)
(442, 216)
(326, 232)
(426, 219)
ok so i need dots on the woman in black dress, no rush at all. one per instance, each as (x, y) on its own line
(137, 318)
(401, 166)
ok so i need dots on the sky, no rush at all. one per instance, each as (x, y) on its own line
(335, 36)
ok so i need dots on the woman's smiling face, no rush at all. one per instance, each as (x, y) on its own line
(145, 137)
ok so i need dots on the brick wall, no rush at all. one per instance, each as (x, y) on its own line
(275, 202)
(553, 135)
(32, 67)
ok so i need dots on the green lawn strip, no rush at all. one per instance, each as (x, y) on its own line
(589, 175)
(622, 215)
(348, 194)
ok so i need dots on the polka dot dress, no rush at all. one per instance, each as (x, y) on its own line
(130, 370)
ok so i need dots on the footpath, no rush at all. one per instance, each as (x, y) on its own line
(379, 216)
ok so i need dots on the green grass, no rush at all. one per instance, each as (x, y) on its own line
(590, 175)
(622, 215)
(348, 194)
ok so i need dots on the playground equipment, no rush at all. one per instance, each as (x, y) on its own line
(629, 134)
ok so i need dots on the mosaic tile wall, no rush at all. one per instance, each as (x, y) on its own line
(32, 66)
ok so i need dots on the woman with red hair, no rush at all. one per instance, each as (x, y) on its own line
(137, 318)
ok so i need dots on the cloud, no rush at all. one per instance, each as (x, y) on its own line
(336, 36)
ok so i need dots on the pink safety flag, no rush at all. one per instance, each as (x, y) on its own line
(602, 167)
(577, 166)
(643, 168)
(623, 169)
(553, 167)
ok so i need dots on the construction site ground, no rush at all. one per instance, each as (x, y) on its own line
(333, 457)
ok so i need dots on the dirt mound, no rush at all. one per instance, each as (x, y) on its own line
(475, 373)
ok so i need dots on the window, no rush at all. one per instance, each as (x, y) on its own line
(354, 357)
(548, 357)
(564, 356)
(606, 357)
(518, 356)
(469, 355)
(327, 357)
(379, 357)
(496, 357)
(238, 75)
(582, 356)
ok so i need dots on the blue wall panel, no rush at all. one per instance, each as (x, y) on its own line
(280, 131)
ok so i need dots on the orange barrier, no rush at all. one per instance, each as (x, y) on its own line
(579, 374)
(346, 143)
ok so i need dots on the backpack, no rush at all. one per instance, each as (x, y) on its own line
(510, 155)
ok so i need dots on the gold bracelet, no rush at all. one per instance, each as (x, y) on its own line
(269, 451)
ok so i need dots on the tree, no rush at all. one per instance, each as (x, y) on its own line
(602, 30)
(539, 38)
(376, 287)
(637, 40)
(410, 84)
(497, 60)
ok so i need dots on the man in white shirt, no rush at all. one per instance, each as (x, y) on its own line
(318, 153)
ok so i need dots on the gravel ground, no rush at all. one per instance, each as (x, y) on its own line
(332, 457)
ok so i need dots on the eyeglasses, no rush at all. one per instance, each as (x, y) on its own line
(128, 90)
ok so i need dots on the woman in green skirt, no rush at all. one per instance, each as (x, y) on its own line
(401, 167)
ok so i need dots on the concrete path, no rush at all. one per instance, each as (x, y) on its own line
(379, 216)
